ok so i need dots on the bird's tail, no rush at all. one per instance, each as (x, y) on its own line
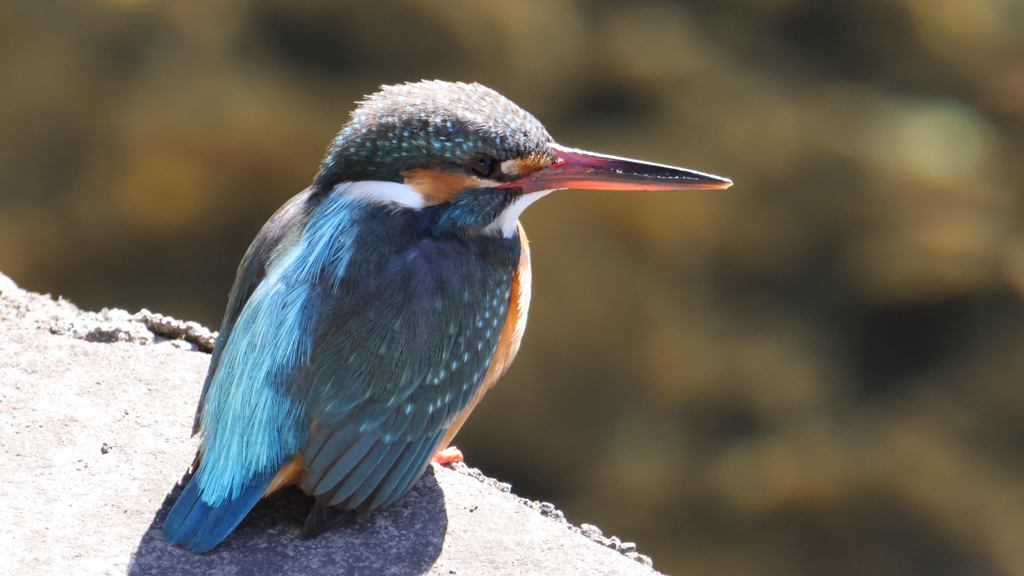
(199, 527)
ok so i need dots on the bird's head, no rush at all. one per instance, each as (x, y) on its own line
(471, 159)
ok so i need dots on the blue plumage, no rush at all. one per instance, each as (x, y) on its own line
(370, 311)
(198, 526)
(252, 424)
(364, 327)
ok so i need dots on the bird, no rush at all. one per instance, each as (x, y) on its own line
(375, 309)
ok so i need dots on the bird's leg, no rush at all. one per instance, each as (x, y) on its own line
(448, 455)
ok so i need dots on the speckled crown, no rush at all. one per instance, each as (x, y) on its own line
(429, 123)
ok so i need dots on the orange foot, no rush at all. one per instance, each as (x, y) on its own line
(448, 455)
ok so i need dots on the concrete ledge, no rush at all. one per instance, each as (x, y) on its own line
(96, 437)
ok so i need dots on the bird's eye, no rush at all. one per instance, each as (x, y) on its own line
(483, 167)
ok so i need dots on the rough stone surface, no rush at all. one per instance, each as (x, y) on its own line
(95, 437)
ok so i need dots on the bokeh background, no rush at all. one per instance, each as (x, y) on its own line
(818, 371)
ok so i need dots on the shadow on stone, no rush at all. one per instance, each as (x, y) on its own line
(404, 539)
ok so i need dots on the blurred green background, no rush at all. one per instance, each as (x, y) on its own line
(818, 371)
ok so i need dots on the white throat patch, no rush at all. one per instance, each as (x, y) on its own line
(380, 192)
(505, 223)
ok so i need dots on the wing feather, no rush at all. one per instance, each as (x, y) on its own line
(251, 272)
(250, 416)
(398, 356)
(403, 477)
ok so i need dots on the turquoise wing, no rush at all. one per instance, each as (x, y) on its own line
(250, 422)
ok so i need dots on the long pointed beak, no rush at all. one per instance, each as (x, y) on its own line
(591, 171)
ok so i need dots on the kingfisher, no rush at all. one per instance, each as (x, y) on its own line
(376, 308)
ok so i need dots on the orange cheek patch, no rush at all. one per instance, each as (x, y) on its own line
(533, 163)
(438, 186)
